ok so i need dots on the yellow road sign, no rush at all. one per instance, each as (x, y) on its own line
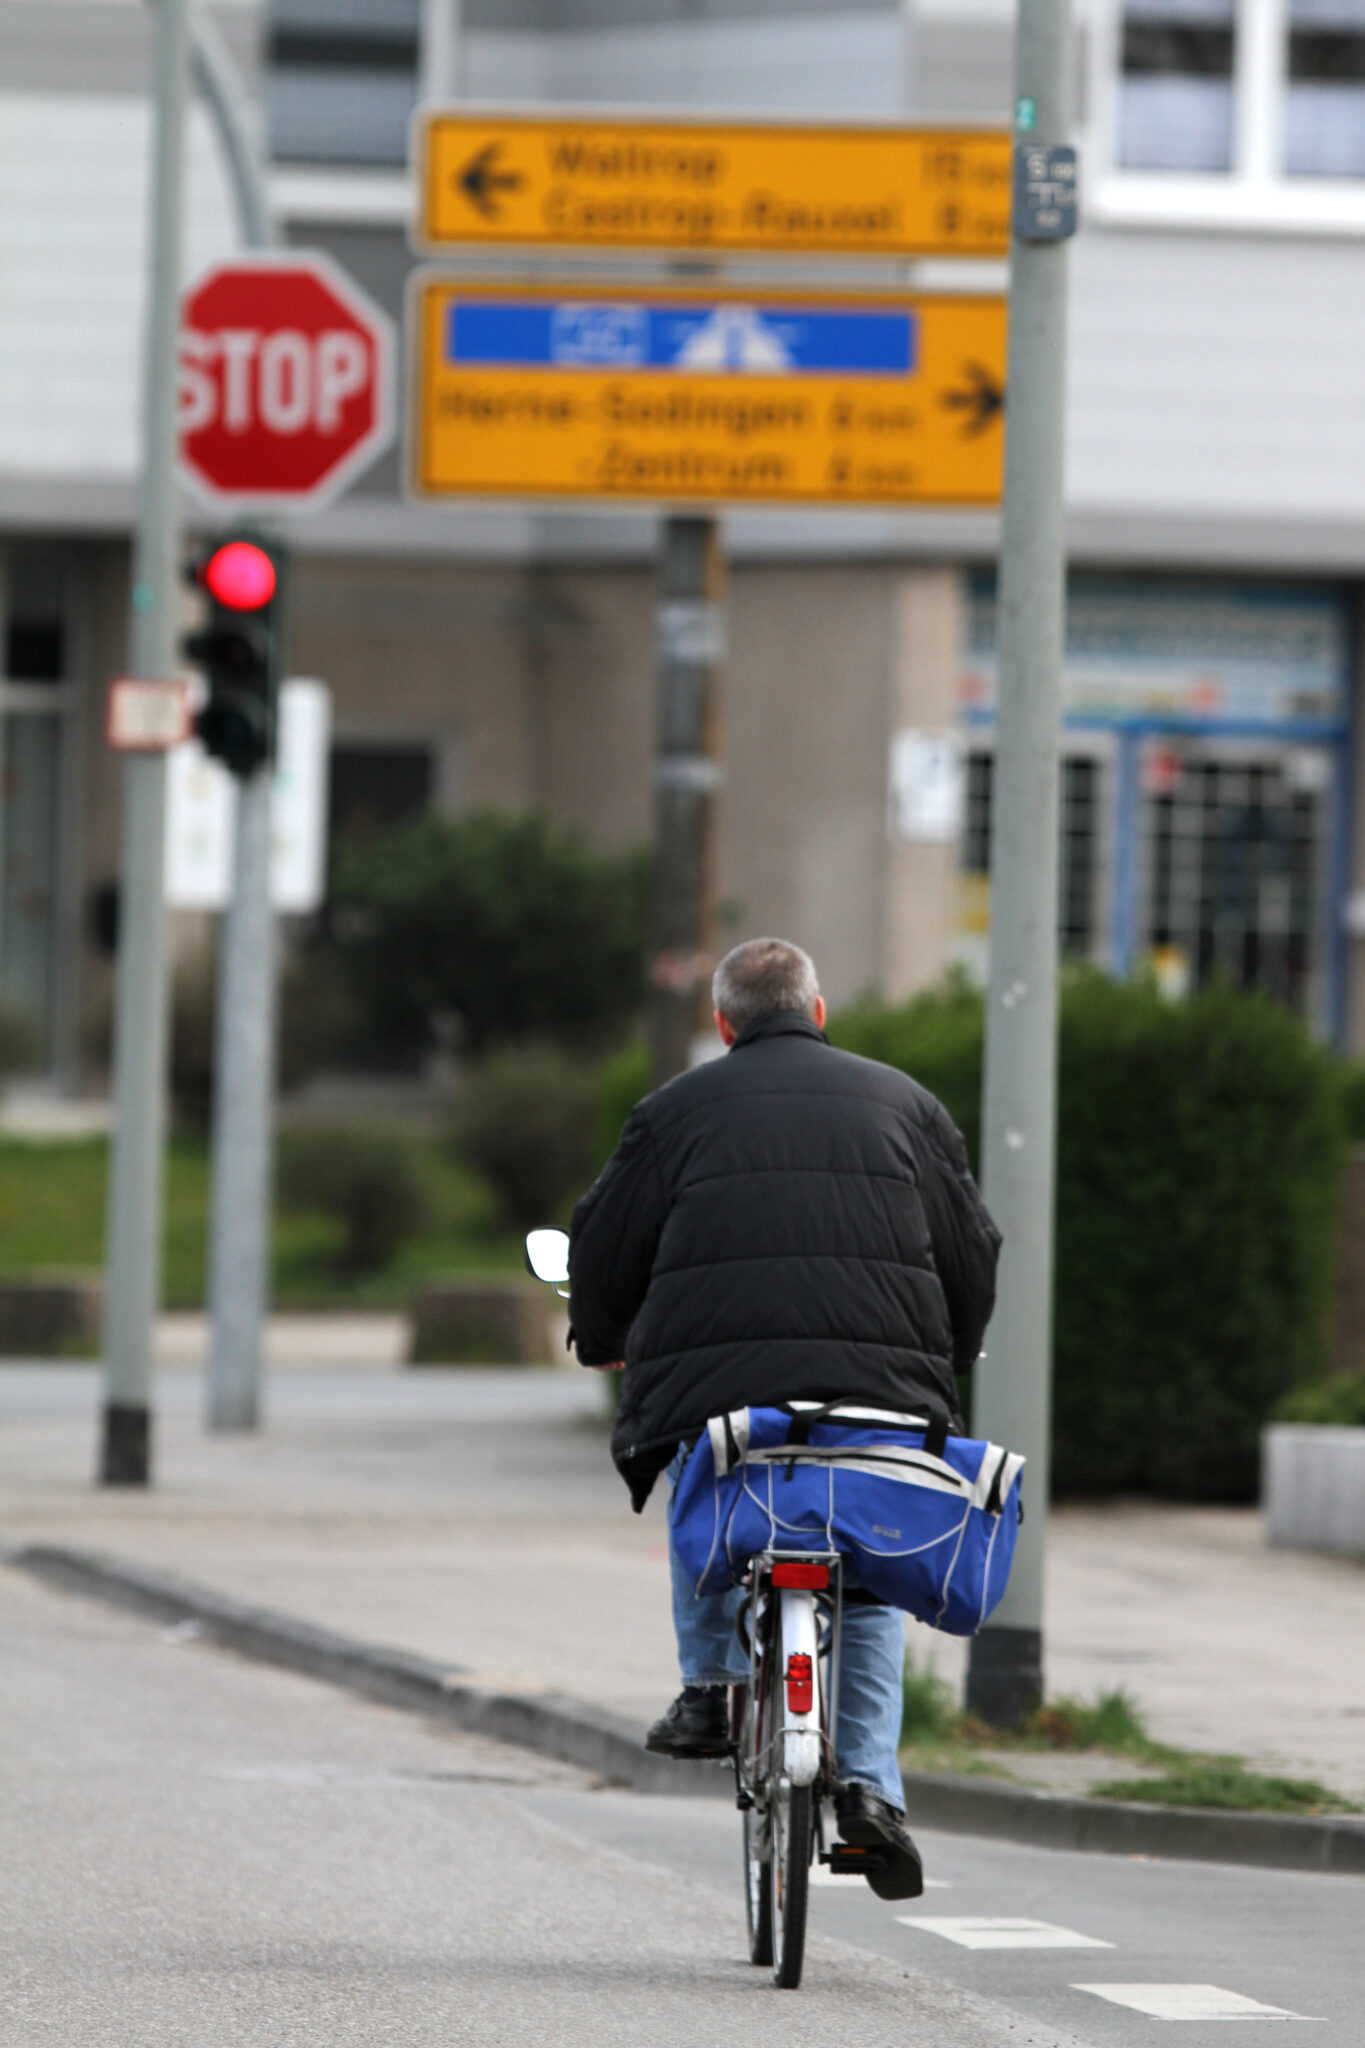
(634, 182)
(697, 395)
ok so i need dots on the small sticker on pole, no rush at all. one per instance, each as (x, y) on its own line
(148, 715)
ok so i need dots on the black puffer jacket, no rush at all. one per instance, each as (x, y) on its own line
(786, 1223)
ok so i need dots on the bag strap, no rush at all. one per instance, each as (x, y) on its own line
(935, 1434)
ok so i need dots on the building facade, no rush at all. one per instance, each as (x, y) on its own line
(503, 655)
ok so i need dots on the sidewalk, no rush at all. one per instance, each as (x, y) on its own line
(473, 1517)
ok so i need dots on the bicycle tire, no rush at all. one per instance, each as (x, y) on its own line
(758, 1893)
(790, 1821)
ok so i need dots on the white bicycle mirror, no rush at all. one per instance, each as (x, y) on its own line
(547, 1255)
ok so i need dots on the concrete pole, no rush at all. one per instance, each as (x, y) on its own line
(134, 1202)
(239, 1242)
(690, 647)
(1013, 1391)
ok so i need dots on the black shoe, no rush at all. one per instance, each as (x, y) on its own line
(696, 1725)
(867, 1822)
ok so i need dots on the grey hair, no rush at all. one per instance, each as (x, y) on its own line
(763, 975)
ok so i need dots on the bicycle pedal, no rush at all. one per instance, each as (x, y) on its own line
(846, 1861)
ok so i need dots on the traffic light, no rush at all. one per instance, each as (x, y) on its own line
(238, 650)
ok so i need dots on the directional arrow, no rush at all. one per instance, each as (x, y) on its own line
(483, 178)
(981, 401)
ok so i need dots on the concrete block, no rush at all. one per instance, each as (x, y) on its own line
(53, 1318)
(1313, 1487)
(482, 1322)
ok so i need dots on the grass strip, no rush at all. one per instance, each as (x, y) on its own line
(1227, 1787)
(937, 1736)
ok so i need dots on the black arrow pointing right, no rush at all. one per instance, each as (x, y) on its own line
(981, 400)
(483, 178)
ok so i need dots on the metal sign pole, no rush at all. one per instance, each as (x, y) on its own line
(244, 1043)
(687, 774)
(134, 1200)
(244, 1022)
(1013, 1393)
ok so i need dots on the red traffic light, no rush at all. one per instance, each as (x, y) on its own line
(240, 575)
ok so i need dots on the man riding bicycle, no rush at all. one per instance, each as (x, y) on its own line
(787, 1223)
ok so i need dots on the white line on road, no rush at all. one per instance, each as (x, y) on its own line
(1188, 2002)
(820, 1873)
(1002, 1933)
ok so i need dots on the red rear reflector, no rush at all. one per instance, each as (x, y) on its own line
(798, 1574)
(800, 1683)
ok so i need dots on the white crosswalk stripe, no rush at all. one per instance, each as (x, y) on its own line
(999, 1932)
(1188, 2002)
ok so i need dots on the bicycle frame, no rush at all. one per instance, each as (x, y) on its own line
(791, 1728)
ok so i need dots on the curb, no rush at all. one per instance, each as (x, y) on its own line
(611, 1748)
(552, 1724)
(1052, 1820)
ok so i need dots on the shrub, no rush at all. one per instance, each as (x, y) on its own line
(1353, 1099)
(937, 1038)
(622, 1081)
(1198, 1151)
(1338, 1402)
(1196, 1197)
(929, 1712)
(511, 926)
(526, 1120)
(319, 1022)
(369, 1180)
(20, 1042)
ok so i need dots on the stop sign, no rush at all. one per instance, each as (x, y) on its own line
(285, 384)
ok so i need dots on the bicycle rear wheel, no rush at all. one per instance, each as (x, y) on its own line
(790, 1820)
(758, 1890)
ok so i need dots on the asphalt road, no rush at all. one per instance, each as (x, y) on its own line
(196, 1850)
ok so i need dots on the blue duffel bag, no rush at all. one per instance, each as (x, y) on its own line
(927, 1521)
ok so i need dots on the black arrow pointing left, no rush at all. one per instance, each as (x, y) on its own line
(484, 177)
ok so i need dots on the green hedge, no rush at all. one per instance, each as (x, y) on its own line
(1198, 1155)
(1338, 1402)
(507, 926)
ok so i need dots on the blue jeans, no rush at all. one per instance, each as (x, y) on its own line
(872, 1656)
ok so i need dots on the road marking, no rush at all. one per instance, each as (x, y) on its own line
(1188, 2002)
(820, 1873)
(1003, 1933)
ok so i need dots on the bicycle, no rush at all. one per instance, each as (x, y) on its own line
(783, 1726)
(782, 1721)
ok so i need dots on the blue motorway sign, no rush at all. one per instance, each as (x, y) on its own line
(597, 335)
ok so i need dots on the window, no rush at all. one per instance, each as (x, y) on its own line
(1325, 91)
(1253, 96)
(36, 702)
(1236, 851)
(376, 787)
(1175, 94)
(35, 625)
(342, 80)
(1079, 868)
